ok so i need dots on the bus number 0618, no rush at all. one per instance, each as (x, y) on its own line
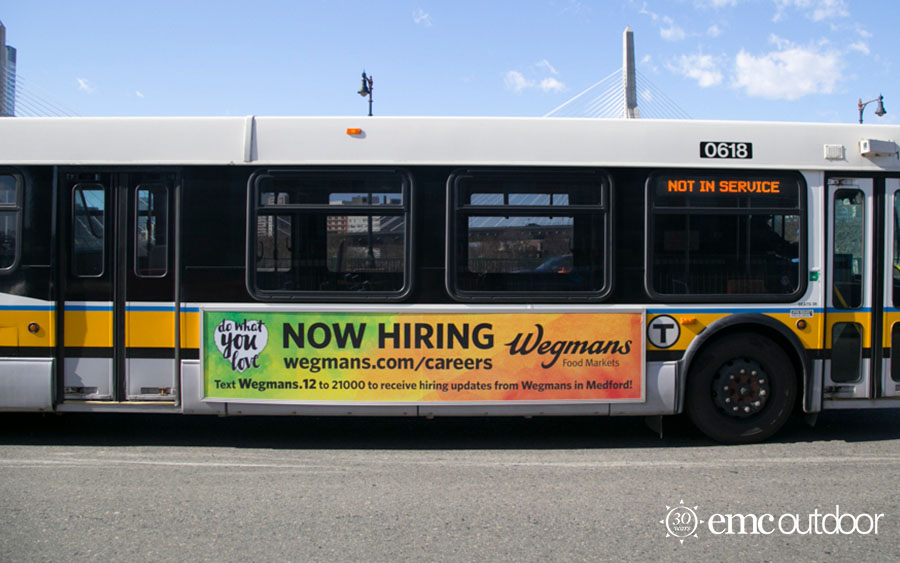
(725, 149)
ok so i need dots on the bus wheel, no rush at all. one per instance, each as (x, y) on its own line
(741, 389)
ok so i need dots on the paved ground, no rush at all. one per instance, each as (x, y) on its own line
(203, 488)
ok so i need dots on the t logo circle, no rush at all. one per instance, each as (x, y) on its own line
(663, 331)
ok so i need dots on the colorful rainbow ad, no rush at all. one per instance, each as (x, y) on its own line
(375, 357)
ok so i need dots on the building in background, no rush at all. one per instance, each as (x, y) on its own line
(7, 76)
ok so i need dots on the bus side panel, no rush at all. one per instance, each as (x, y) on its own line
(27, 311)
(662, 383)
(26, 384)
(213, 203)
(192, 391)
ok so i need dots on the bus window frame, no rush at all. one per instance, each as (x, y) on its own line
(106, 229)
(407, 188)
(895, 248)
(605, 209)
(18, 208)
(802, 246)
(138, 271)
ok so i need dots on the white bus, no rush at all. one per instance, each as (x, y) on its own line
(738, 272)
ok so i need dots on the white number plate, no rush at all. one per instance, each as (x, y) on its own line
(725, 149)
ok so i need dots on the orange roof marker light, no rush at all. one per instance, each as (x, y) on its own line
(354, 131)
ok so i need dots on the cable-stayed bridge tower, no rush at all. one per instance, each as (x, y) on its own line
(616, 96)
(7, 76)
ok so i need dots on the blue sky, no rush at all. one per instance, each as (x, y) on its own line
(778, 60)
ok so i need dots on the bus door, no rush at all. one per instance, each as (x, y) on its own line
(890, 373)
(117, 285)
(850, 327)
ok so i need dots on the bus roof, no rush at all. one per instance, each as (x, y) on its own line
(449, 141)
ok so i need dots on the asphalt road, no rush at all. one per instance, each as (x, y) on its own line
(168, 488)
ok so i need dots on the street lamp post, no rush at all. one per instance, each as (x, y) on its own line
(879, 110)
(366, 90)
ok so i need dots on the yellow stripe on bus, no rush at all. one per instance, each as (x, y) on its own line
(146, 329)
(190, 330)
(890, 319)
(155, 329)
(695, 323)
(85, 329)
(150, 329)
(14, 329)
(861, 318)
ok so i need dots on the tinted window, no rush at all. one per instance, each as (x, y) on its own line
(849, 249)
(151, 236)
(9, 221)
(89, 230)
(322, 232)
(895, 266)
(717, 234)
(520, 234)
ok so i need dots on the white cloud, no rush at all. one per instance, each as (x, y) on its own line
(668, 29)
(789, 73)
(827, 9)
(671, 31)
(85, 85)
(779, 42)
(576, 7)
(653, 15)
(715, 3)
(421, 17)
(138, 93)
(705, 69)
(552, 85)
(816, 10)
(516, 81)
(545, 64)
(860, 46)
(714, 30)
(647, 62)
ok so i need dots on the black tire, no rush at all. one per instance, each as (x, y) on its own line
(741, 389)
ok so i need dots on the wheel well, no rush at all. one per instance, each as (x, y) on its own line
(767, 332)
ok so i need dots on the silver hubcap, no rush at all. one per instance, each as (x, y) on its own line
(741, 388)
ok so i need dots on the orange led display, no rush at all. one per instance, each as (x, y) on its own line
(724, 186)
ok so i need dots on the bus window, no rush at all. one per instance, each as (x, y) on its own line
(151, 247)
(896, 261)
(895, 269)
(724, 234)
(849, 249)
(846, 352)
(273, 234)
(328, 232)
(520, 234)
(895, 346)
(10, 206)
(89, 230)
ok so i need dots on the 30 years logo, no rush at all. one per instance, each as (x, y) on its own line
(681, 521)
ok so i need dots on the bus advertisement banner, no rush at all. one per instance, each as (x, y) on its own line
(382, 357)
